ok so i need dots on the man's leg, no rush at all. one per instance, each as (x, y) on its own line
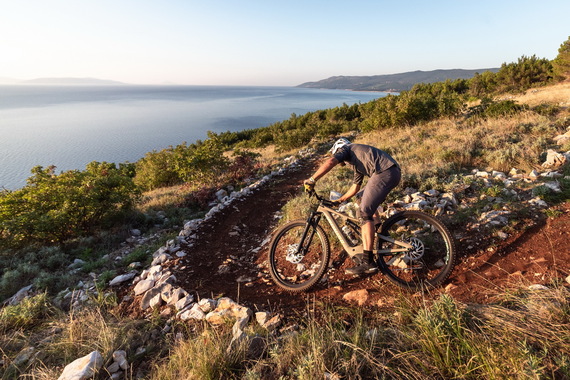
(365, 260)
(367, 230)
(374, 194)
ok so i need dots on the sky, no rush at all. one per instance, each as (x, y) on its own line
(269, 42)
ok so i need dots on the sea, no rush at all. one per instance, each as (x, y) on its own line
(70, 126)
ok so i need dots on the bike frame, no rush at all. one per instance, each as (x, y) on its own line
(350, 249)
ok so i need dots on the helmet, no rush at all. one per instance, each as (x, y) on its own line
(339, 144)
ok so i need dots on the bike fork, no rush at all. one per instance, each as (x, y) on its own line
(312, 223)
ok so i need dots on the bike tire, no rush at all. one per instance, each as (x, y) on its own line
(302, 275)
(432, 259)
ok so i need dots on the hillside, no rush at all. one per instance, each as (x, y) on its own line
(392, 82)
(199, 304)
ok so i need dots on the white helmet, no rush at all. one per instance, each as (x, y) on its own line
(339, 144)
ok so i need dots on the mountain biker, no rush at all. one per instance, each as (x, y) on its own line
(384, 174)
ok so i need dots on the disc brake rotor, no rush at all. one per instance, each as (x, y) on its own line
(417, 251)
(292, 255)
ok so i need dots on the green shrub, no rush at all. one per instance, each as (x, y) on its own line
(52, 208)
(26, 314)
(503, 108)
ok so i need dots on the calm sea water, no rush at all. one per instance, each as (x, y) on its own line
(70, 126)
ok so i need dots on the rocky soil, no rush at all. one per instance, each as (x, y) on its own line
(224, 255)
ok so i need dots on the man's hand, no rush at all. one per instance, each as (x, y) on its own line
(309, 185)
(336, 203)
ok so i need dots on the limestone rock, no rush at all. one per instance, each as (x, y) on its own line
(358, 296)
(143, 286)
(83, 368)
(122, 278)
(554, 159)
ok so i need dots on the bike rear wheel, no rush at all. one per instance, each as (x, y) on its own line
(432, 258)
(292, 269)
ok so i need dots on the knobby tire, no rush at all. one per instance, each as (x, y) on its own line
(432, 260)
(306, 271)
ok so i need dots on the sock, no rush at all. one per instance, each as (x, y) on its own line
(368, 256)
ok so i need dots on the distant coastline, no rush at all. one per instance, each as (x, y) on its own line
(60, 81)
(392, 82)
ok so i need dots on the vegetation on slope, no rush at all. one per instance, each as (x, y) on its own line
(434, 130)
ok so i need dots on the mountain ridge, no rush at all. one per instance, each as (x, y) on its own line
(392, 82)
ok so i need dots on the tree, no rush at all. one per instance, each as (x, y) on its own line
(561, 63)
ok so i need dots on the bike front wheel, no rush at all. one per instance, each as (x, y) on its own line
(296, 264)
(429, 261)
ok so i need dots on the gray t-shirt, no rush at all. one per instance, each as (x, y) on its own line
(365, 160)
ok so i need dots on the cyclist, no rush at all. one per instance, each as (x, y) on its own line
(384, 174)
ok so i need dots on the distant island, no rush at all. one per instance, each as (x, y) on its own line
(392, 82)
(62, 81)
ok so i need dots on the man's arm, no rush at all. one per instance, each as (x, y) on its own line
(355, 188)
(323, 169)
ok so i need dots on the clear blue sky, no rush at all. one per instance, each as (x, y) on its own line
(269, 42)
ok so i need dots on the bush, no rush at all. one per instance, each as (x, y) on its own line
(53, 208)
(503, 108)
(26, 314)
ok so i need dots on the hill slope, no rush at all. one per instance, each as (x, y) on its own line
(392, 82)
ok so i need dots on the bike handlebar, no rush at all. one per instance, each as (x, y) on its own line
(323, 200)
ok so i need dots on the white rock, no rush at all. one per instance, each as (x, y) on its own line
(358, 296)
(184, 301)
(554, 159)
(534, 174)
(143, 286)
(537, 287)
(193, 313)
(178, 294)
(482, 174)
(122, 278)
(537, 202)
(113, 368)
(83, 368)
(217, 317)
(432, 193)
(19, 296)
(24, 356)
(168, 293)
(261, 317)
(155, 301)
(120, 357)
(207, 304)
(450, 197)
(161, 259)
(498, 175)
(554, 186)
(221, 194)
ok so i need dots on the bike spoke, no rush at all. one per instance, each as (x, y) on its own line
(431, 258)
(297, 265)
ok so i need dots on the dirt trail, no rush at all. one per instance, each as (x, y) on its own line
(225, 259)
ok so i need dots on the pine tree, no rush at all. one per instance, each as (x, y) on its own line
(561, 63)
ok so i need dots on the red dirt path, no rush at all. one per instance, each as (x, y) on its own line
(229, 241)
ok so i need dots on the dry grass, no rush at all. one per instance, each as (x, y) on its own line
(523, 337)
(451, 145)
(165, 196)
(558, 94)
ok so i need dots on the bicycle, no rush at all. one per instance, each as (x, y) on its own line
(413, 249)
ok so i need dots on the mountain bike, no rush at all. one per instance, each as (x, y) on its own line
(413, 249)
